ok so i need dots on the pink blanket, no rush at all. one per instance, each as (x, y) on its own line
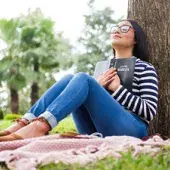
(27, 154)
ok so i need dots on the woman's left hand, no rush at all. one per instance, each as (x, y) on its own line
(114, 84)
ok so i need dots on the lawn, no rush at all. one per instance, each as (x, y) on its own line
(161, 161)
(143, 162)
(65, 125)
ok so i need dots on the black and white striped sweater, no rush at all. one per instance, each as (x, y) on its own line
(144, 96)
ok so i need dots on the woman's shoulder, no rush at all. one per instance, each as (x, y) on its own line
(143, 65)
(145, 70)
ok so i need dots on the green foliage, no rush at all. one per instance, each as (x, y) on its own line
(32, 52)
(8, 30)
(12, 116)
(10, 65)
(95, 39)
(40, 45)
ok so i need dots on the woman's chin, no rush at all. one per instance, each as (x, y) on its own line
(116, 44)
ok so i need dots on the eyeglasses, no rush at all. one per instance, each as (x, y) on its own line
(123, 28)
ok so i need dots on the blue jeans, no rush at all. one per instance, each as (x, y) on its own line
(92, 107)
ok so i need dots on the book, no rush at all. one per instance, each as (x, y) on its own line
(124, 66)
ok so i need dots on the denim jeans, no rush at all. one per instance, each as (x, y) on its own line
(92, 107)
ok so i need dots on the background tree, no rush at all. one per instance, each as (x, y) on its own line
(41, 50)
(32, 55)
(154, 17)
(95, 39)
(10, 65)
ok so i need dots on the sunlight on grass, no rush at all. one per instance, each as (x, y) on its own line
(66, 125)
(4, 124)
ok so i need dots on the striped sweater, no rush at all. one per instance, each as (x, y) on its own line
(144, 96)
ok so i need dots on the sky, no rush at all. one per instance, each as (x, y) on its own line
(67, 14)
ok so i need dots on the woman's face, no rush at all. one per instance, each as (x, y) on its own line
(123, 35)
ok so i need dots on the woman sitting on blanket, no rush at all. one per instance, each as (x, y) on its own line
(94, 109)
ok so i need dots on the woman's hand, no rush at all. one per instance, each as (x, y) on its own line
(106, 78)
(114, 84)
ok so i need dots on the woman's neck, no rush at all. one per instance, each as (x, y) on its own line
(123, 53)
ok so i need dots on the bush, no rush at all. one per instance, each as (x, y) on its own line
(12, 116)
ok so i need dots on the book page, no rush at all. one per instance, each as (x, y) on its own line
(101, 67)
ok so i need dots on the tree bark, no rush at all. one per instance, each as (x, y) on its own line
(34, 92)
(154, 17)
(34, 86)
(14, 100)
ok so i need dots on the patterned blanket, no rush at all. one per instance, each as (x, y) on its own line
(28, 153)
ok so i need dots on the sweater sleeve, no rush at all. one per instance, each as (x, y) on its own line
(145, 104)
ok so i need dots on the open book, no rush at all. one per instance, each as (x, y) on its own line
(125, 69)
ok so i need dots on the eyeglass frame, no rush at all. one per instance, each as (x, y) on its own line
(119, 27)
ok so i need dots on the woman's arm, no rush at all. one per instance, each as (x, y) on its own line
(144, 105)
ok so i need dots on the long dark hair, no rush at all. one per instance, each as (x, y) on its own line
(141, 47)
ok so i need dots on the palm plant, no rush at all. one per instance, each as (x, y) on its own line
(10, 65)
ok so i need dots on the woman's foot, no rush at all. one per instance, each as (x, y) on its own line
(38, 127)
(18, 124)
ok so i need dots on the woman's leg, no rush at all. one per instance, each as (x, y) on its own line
(40, 106)
(48, 97)
(108, 116)
(82, 120)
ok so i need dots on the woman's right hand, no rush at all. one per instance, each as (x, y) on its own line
(106, 78)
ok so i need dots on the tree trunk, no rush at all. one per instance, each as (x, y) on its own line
(34, 92)
(14, 100)
(154, 17)
(34, 86)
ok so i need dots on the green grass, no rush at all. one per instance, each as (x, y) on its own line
(161, 161)
(65, 125)
(4, 124)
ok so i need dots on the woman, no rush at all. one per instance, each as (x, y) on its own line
(93, 108)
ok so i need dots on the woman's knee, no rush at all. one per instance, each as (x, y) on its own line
(89, 79)
(68, 76)
(83, 75)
